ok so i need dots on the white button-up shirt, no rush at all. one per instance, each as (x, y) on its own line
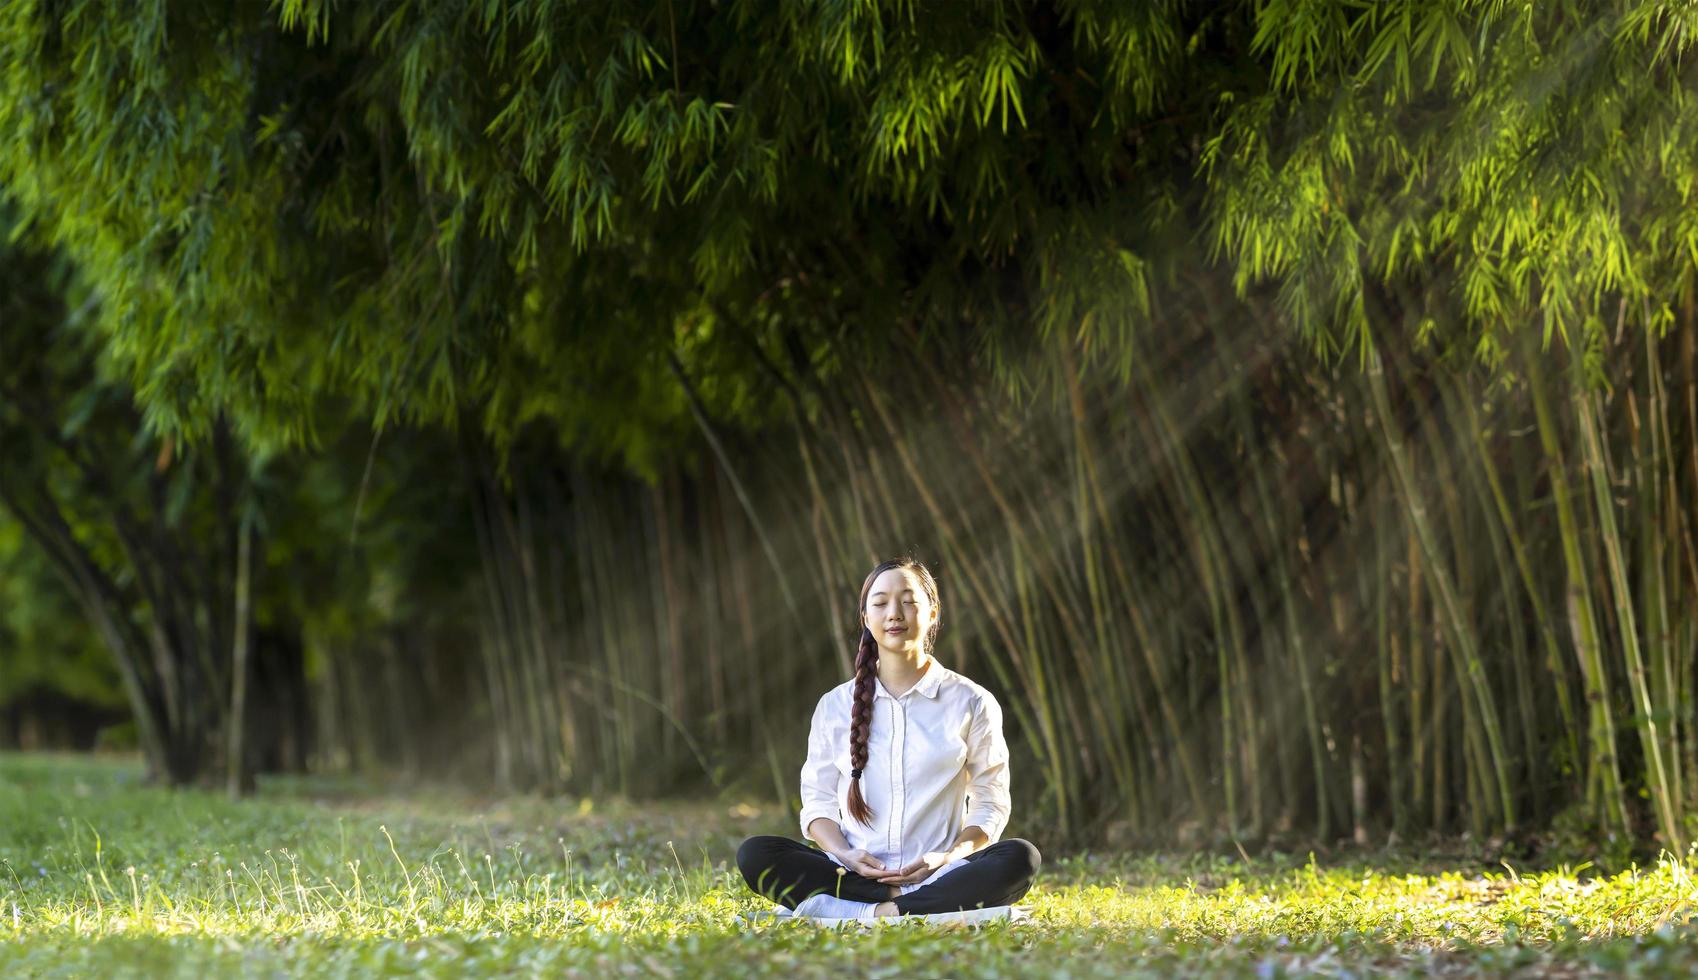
(936, 762)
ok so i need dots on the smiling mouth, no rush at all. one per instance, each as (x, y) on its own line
(898, 629)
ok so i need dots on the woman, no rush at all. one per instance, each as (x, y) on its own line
(906, 784)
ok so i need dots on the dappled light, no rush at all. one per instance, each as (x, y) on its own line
(443, 448)
(124, 875)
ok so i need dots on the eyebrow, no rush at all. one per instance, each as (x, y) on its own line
(876, 594)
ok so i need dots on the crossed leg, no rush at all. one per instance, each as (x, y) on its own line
(788, 871)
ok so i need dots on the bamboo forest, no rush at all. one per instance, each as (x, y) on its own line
(448, 450)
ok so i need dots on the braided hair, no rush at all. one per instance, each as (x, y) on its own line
(866, 671)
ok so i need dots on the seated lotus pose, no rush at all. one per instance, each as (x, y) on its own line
(906, 783)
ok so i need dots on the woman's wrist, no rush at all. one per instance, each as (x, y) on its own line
(829, 836)
(971, 839)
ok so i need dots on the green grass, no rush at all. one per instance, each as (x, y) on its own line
(100, 876)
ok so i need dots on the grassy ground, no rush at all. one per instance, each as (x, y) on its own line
(101, 877)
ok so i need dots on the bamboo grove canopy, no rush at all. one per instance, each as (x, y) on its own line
(498, 212)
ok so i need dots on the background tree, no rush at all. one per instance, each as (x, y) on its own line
(59, 687)
(920, 239)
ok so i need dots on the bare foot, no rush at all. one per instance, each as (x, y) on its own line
(885, 908)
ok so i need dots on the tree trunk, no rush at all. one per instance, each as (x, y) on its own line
(238, 780)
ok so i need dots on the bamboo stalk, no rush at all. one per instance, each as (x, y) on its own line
(1388, 665)
(961, 560)
(1297, 650)
(1203, 529)
(827, 542)
(1601, 726)
(1471, 674)
(1478, 766)
(1092, 515)
(1060, 781)
(1660, 564)
(1518, 549)
(1019, 544)
(1651, 741)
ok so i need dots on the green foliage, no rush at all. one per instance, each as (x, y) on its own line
(461, 210)
(511, 211)
(1504, 163)
(118, 546)
(44, 641)
(537, 219)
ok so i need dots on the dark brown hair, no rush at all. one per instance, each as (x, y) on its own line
(866, 669)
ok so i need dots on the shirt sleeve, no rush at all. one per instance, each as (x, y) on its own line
(819, 774)
(987, 770)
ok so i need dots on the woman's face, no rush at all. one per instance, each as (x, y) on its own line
(898, 611)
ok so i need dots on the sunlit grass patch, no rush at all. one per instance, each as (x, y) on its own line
(100, 875)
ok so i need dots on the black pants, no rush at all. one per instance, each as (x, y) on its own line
(787, 871)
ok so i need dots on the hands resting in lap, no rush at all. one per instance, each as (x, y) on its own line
(866, 865)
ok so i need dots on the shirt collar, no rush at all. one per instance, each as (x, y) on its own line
(927, 685)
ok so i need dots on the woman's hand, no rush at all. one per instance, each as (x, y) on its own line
(862, 863)
(919, 870)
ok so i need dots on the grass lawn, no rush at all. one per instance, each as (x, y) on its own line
(101, 877)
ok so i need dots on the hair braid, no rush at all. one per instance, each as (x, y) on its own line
(861, 722)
